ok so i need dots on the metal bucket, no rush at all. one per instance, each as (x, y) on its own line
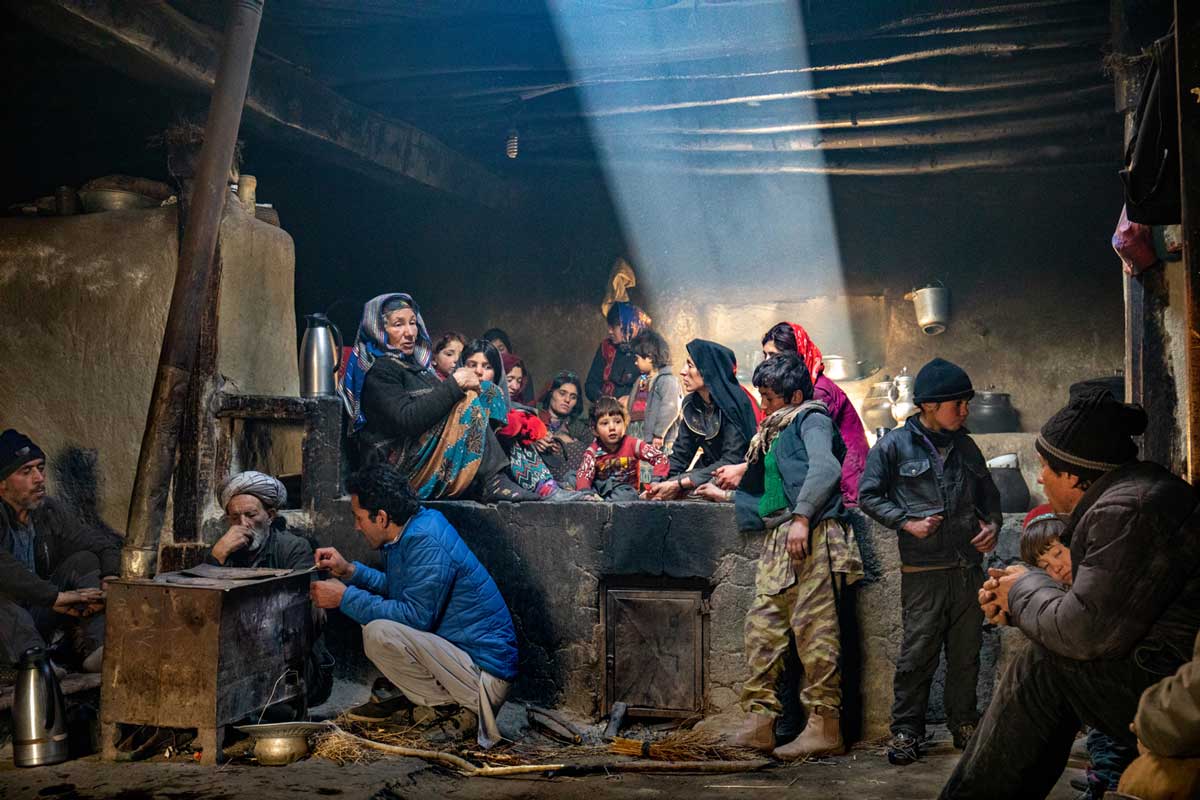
(932, 304)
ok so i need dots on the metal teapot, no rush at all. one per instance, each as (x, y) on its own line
(877, 407)
(320, 356)
(902, 396)
(39, 713)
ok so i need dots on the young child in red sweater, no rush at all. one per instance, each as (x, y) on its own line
(610, 464)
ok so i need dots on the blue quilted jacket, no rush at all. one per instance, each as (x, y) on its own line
(432, 581)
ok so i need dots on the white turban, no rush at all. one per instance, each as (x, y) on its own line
(257, 484)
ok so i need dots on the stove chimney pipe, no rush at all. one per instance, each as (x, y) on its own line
(156, 461)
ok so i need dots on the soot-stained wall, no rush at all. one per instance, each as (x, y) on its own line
(84, 301)
(1035, 290)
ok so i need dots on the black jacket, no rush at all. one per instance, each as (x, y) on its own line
(1135, 557)
(704, 426)
(400, 404)
(624, 373)
(905, 478)
(57, 535)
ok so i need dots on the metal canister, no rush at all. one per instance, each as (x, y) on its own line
(39, 713)
(320, 357)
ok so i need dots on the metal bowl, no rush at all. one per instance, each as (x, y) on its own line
(280, 743)
(114, 200)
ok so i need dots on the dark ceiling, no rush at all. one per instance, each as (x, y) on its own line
(849, 87)
(717, 84)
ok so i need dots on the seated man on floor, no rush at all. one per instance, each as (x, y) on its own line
(1168, 730)
(434, 622)
(1128, 618)
(51, 565)
(258, 537)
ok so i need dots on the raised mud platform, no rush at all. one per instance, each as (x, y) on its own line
(554, 561)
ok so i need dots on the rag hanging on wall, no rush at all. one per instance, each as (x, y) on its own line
(620, 280)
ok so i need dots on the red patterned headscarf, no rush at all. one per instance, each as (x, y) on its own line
(809, 351)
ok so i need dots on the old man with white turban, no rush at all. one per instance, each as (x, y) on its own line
(257, 537)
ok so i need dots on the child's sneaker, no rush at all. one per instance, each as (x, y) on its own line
(903, 749)
(963, 734)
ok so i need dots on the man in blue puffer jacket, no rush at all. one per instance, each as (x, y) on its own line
(434, 622)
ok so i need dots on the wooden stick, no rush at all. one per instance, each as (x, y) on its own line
(450, 760)
(665, 766)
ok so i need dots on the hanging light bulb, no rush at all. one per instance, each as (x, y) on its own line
(512, 144)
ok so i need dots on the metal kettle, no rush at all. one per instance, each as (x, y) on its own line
(39, 713)
(901, 395)
(320, 356)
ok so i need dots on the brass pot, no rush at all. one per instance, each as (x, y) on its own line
(280, 743)
(277, 751)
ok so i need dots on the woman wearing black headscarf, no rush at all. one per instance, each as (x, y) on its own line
(717, 415)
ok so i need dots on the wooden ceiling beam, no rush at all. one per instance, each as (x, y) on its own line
(685, 96)
(1060, 126)
(919, 161)
(153, 42)
(656, 38)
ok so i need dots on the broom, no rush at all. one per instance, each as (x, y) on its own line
(688, 745)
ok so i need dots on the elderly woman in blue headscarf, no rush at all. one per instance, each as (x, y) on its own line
(438, 432)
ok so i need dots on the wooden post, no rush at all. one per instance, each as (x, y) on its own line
(1149, 378)
(1187, 62)
(193, 283)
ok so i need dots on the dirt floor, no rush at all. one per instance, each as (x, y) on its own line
(864, 773)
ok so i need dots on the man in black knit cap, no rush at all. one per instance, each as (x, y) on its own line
(1129, 617)
(51, 565)
(928, 481)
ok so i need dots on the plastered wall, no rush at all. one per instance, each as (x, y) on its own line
(84, 302)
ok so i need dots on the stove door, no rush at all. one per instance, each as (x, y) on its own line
(654, 651)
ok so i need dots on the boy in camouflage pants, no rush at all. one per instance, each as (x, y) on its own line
(790, 489)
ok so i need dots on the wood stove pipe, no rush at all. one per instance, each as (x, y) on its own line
(168, 403)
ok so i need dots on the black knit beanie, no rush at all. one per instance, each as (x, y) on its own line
(16, 450)
(1094, 432)
(939, 381)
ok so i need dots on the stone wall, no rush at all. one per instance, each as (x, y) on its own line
(84, 301)
(551, 559)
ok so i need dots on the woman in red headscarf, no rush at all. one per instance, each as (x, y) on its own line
(788, 337)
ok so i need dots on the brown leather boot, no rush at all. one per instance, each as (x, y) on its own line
(758, 733)
(822, 736)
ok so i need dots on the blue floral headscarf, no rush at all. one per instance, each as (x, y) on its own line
(371, 343)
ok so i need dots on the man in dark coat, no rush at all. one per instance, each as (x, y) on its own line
(1128, 619)
(51, 565)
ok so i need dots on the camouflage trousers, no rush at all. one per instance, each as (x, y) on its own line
(806, 608)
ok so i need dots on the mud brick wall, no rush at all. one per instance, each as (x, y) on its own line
(550, 560)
